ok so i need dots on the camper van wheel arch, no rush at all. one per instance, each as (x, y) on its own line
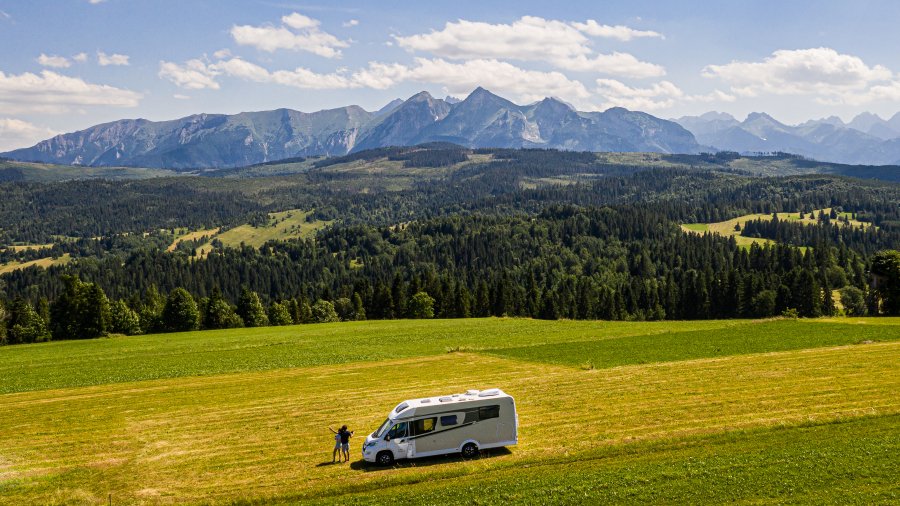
(469, 450)
(385, 458)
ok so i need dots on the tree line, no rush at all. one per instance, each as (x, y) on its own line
(627, 263)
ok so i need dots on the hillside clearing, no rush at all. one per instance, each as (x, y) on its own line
(282, 225)
(40, 262)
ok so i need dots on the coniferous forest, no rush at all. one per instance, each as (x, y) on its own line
(541, 234)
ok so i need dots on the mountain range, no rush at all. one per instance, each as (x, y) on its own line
(482, 119)
(867, 139)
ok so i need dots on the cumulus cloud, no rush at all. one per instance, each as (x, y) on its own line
(80, 57)
(529, 38)
(112, 59)
(821, 72)
(501, 77)
(50, 92)
(53, 61)
(222, 53)
(456, 77)
(348, 24)
(15, 133)
(620, 32)
(179, 96)
(296, 33)
(660, 95)
(193, 74)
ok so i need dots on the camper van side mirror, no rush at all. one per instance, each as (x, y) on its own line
(387, 438)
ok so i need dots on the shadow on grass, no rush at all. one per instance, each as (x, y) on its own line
(329, 463)
(362, 465)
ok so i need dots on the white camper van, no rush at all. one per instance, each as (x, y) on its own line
(458, 423)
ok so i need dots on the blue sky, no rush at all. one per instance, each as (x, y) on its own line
(69, 64)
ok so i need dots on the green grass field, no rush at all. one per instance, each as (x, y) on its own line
(626, 412)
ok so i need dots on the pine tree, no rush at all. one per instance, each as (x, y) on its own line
(26, 325)
(251, 310)
(358, 309)
(180, 313)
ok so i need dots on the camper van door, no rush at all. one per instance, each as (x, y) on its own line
(399, 442)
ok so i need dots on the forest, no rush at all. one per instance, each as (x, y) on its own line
(530, 233)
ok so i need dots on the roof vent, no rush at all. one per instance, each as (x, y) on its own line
(445, 399)
(489, 393)
(425, 401)
(471, 392)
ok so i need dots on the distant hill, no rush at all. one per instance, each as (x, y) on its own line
(867, 140)
(481, 120)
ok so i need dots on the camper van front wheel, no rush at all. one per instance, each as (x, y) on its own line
(469, 450)
(385, 458)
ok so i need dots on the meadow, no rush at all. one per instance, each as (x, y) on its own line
(625, 412)
(727, 228)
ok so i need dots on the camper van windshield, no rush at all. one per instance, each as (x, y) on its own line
(384, 427)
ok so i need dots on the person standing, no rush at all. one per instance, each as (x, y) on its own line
(341, 443)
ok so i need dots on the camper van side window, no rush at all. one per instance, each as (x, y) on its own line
(423, 426)
(447, 421)
(486, 412)
(471, 416)
(398, 430)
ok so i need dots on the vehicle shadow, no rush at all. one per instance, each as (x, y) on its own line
(362, 465)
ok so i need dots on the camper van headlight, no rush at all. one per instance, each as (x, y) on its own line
(371, 444)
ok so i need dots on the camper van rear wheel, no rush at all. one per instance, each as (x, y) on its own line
(385, 458)
(469, 450)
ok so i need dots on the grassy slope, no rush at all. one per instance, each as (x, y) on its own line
(726, 228)
(79, 363)
(839, 463)
(282, 225)
(634, 433)
(40, 262)
(48, 172)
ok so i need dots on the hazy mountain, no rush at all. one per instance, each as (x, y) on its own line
(865, 140)
(481, 120)
(487, 120)
(873, 125)
(401, 126)
(205, 140)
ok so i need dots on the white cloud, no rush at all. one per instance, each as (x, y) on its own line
(619, 32)
(297, 33)
(222, 54)
(179, 96)
(53, 61)
(50, 92)
(193, 75)
(95, 2)
(5, 15)
(112, 59)
(660, 95)
(15, 133)
(620, 64)
(352, 22)
(458, 78)
(529, 38)
(820, 72)
(80, 57)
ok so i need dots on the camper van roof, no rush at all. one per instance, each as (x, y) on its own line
(409, 407)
